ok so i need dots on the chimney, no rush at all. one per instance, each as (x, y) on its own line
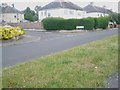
(4, 4)
(13, 5)
(104, 6)
(111, 9)
(91, 3)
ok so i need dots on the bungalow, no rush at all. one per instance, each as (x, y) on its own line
(95, 11)
(61, 8)
(9, 14)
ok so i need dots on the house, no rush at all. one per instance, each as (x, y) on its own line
(95, 11)
(61, 8)
(10, 14)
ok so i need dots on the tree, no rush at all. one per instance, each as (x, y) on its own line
(30, 15)
(37, 8)
(115, 17)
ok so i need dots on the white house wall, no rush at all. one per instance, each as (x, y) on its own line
(63, 13)
(95, 14)
(12, 17)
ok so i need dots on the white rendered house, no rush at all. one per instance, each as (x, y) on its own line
(9, 14)
(61, 8)
(95, 11)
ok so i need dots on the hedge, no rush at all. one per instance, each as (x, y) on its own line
(53, 23)
(88, 23)
(70, 24)
(118, 22)
(101, 22)
(10, 32)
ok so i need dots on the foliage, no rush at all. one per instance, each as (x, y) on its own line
(67, 24)
(10, 32)
(37, 8)
(118, 18)
(88, 23)
(101, 22)
(115, 17)
(96, 23)
(53, 23)
(30, 15)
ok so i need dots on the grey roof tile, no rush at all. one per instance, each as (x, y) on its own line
(61, 4)
(91, 8)
(9, 9)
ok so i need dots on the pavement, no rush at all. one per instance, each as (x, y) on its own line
(112, 81)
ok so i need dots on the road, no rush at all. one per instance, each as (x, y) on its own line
(50, 42)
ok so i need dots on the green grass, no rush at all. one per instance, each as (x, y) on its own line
(86, 66)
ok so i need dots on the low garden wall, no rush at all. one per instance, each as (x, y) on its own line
(28, 25)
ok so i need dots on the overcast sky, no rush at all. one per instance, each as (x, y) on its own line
(22, 4)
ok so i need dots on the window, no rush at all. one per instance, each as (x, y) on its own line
(2, 15)
(79, 14)
(41, 13)
(65, 11)
(71, 12)
(49, 14)
(3, 20)
(45, 13)
(15, 16)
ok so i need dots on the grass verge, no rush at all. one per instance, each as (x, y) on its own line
(86, 66)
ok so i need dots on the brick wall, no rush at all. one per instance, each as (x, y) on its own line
(28, 25)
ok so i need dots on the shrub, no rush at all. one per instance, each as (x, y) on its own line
(101, 22)
(10, 32)
(118, 18)
(67, 24)
(115, 17)
(53, 23)
(88, 23)
(96, 23)
(70, 24)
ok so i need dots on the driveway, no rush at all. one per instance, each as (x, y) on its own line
(50, 42)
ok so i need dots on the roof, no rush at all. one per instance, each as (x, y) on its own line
(61, 4)
(91, 8)
(9, 9)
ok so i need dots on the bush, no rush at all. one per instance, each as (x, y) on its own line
(96, 23)
(115, 17)
(101, 22)
(70, 24)
(88, 23)
(53, 23)
(67, 24)
(10, 32)
(118, 22)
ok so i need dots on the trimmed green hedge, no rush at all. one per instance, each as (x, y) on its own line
(88, 23)
(70, 24)
(53, 23)
(101, 22)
